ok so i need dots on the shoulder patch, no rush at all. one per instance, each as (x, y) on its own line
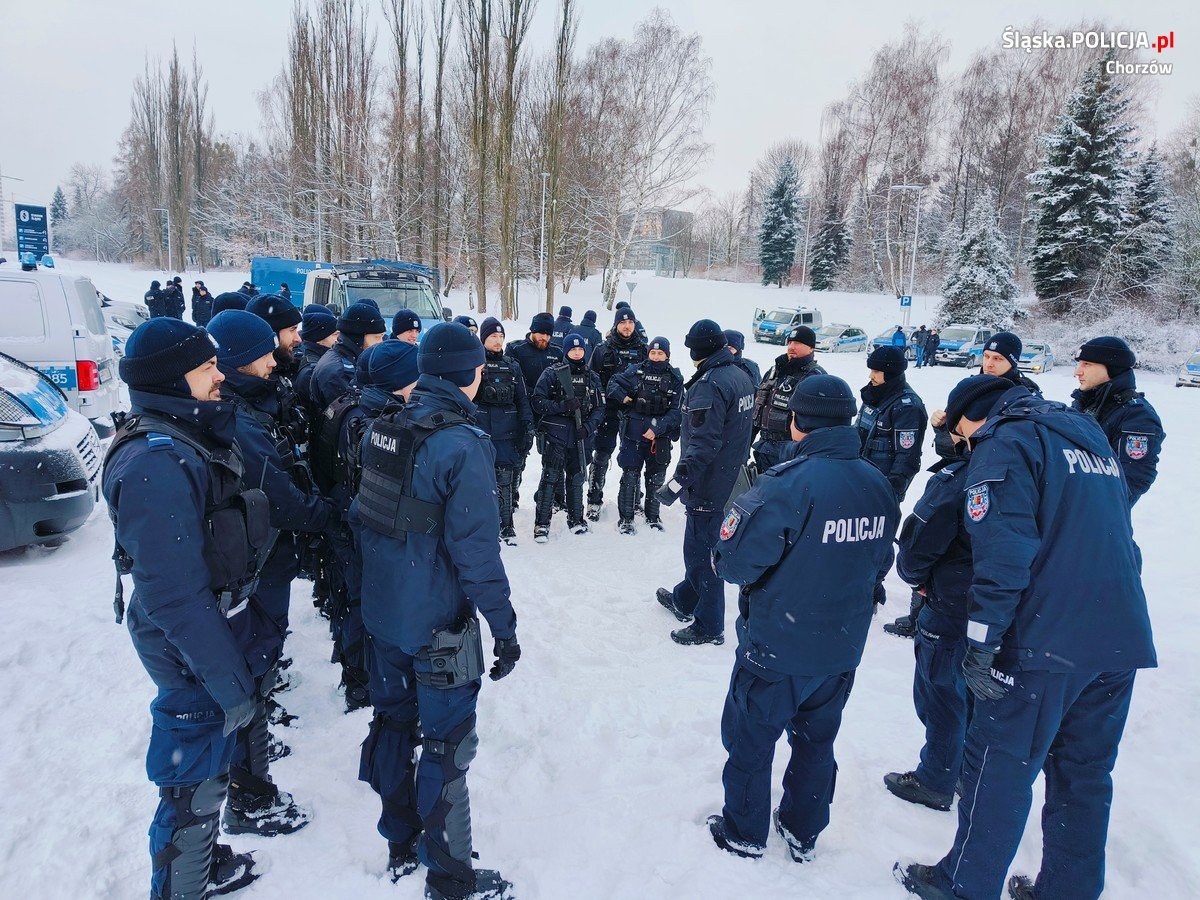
(1137, 445)
(156, 440)
(907, 439)
(978, 502)
(349, 366)
(730, 526)
(906, 400)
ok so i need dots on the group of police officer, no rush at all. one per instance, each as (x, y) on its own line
(279, 442)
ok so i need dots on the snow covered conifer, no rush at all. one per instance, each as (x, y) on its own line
(979, 286)
(1079, 192)
(831, 249)
(777, 234)
(58, 214)
(1147, 246)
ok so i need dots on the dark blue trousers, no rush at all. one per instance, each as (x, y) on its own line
(1068, 726)
(701, 593)
(404, 712)
(759, 707)
(940, 697)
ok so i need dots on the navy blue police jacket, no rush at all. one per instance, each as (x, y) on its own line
(310, 354)
(892, 423)
(158, 490)
(592, 338)
(1057, 585)
(750, 367)
(617, 354)
(371, 403)
(291, 508)
(506, 423)
(416, 584)
(718, 413)
(632, 383)
(934, 547)
(533, 362)
(548, 403)
(1132, 427)
(810, 540)
(333, 373)
(562, 327)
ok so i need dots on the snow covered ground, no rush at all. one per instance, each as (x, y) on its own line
(600, 756)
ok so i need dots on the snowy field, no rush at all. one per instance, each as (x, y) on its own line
(600, 756)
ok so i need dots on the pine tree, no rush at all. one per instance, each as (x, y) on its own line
(777, 234)
(58, 214)
(979, 286)
(1147, 247)
(1079, 192)
(830, 250)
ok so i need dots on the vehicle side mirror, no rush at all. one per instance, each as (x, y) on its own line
(447, 314)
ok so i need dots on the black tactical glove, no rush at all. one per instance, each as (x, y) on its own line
(507, 651)
(240, 716)
(581, 433)
(571, 405)
(977, 672)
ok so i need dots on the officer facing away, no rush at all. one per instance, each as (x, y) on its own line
(824, 519)
(192, 540)
(430, 540)
(1057, 629)
(717, 412)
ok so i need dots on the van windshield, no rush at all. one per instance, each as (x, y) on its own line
(958, 334)
(782, 316)
(393, 296)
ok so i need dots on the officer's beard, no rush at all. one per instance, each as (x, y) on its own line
(284, 356)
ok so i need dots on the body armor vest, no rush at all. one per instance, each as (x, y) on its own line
(654, 395)
(499, 385)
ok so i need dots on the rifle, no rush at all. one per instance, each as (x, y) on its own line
(568, 387)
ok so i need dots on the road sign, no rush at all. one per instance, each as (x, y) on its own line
(33, 231)
(905, 301)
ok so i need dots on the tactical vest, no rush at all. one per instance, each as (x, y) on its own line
(499, 384)
(655, 393)
(238, 536)
(623, 356)
(326, 467)
(879, 444)
(290, 453)
(385, 500)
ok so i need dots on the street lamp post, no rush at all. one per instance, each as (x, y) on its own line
(170, 258)
(320, 236)
(542, 248)
(912, 276)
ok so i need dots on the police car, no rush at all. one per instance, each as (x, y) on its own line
(772, 327)
(962, 345)
(1189, 372)
(841, 339)
(885, 340)
(1036, 358)
(50, 456)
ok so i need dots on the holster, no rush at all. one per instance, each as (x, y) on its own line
(455, 657)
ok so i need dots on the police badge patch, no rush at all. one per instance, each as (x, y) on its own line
(907, 439)
(1137, 445)
(978, 502)
(730, 525)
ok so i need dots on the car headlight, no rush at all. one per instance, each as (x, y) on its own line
(125, 322)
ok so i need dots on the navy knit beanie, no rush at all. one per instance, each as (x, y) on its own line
(491, 325)
(974, 398)
(467, 321)
(1007, 345)
(822, 401)
(405, 320)
(589, 318)
(317, 325)
(543, 323)
(361, 318)
(161, 351)
(275, 311)
(241, 337)
(573, 340)
(887, 359)
(315, 307)
(802, 334)
(1110, 352)
(394, 365)
(450, 351)
(362, 365)
(735, 339)
(661, 343)
(564, 312)
(704, 339)
(229, 300)
(623, 315)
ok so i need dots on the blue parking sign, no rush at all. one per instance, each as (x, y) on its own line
(906, 300)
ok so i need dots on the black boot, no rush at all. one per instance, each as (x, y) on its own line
(259, 807)
(402, 858)
(504, 498)
(487, 884)
(575, 520)
(1021, 887)
(654, 480)
(599, 474)
(187, 859)
(357, 683)
(230, 871)
(627, 494)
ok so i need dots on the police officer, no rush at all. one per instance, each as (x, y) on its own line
(562, 326)
(1108, 393)
(892, 420)
(470, 324)
(621, 349)
(717, 413)
(736, 342)
(505, 414)
(406, 326)
(172, 481)
(934, 557)
(1057, 628)
(230, 300)
(426, 464)
(650, 394)
(590, 332)
(570, 406)
(798, 649)
(637, 323)
(155, 301)
(771, 410)
(359, 327)
(318, 332)
(285, 320)
(245, 356)
(202, 303)
(534, 354)
(1002, 356)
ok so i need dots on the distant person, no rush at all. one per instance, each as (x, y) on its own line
(285, 292)
(736, 342)
(920, 341)
(470, 324)
(202, 304)
(931, 347)
(406, 326)
(562, 326)
(898, 338)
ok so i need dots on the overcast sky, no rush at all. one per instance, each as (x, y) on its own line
(67, 66)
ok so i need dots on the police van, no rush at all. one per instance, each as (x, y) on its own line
(773, 326)
(54, 322)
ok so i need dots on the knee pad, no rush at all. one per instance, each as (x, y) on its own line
(456, 751)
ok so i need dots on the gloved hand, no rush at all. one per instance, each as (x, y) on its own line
(581, 433)
(240, 715)
(507, 651)
(899, 487)
(528, 442)
(668, 493)
(569, 406)
(977, 672)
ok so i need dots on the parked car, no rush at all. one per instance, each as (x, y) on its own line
(1189, 372)
(1036, 358)
(122, 317)
(772, 327)
(885, 340)
(836, 338)
(962, 345)
(54, 322)
(50, 456)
